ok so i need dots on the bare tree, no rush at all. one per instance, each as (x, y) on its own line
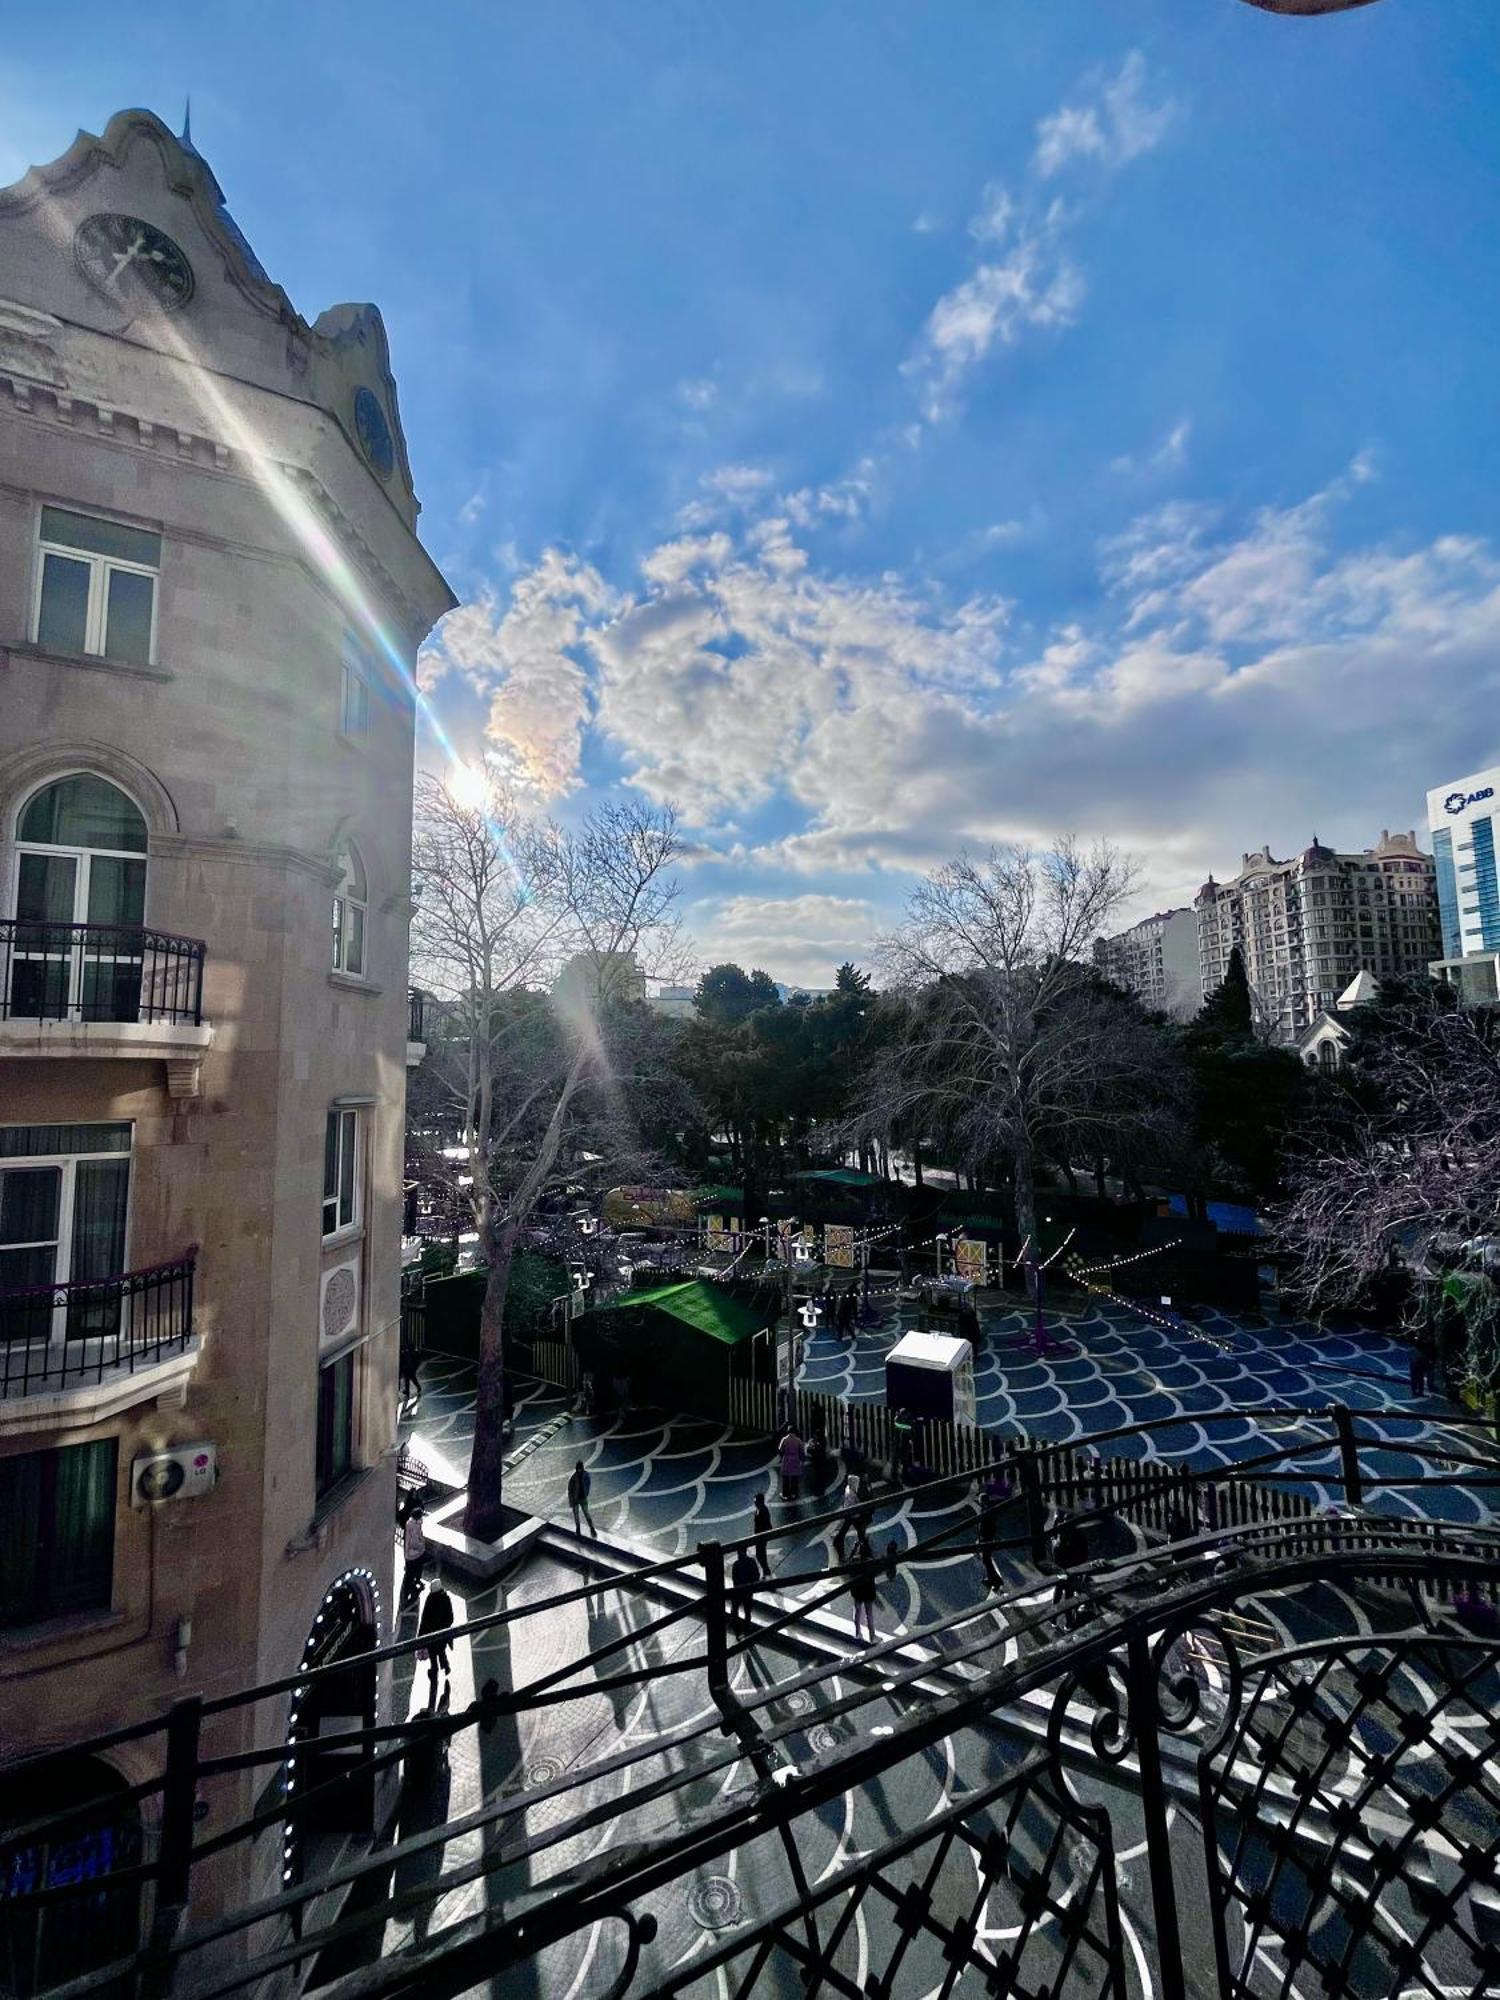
(1409, 1181)
(505, 903)
(1000, 1047)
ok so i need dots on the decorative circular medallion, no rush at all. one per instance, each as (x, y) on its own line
(823, 1739)
(798, 1702)
(715, 1903)
(340, 1296)
(545, 1771)
(132, 263)
(374, 433)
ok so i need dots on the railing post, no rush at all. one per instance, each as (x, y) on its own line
(715, 1626)
(1343, 1425)
(1141, 1685)
(1036, 1513)
(174, 1864)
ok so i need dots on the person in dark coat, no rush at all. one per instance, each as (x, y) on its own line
(863, 1588)
(763, 1527)
(433, 1627)
(744, 1574)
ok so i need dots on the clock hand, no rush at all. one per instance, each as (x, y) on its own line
(129, 258)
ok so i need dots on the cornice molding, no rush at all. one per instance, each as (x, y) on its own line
(50, 403)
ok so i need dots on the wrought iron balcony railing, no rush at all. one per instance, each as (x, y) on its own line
(416, 1015)
(55, 1337)
(99, 972)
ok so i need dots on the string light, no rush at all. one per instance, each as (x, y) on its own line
(345, 1580)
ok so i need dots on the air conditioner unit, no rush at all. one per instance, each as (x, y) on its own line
(338, 1302)
(183, 1473)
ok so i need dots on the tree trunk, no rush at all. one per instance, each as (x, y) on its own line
(916, 1161)
(1025, 1196)
(484, 1512)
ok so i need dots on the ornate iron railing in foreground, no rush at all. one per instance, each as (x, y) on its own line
(1337, 1798)
(99, 972)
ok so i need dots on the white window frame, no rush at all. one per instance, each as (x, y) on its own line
(351, 1138)
(345, 901)
(96, 614)
(354, 693)
(62, 1262)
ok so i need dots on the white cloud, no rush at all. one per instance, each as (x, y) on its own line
(699, 394)
(1036, 285)
(726, 490)
(1027, 278)
(801, 938)
(1113, 124)
(523, 659)
(1167, 455)
(1234, 681)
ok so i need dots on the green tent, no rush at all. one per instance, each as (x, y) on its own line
(679, 1343)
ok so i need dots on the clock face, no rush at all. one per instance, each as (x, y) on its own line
(375, 439)
(132, 263)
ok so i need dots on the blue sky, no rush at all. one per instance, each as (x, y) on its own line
(886, 429)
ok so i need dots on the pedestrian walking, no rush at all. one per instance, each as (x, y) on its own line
(744, 1575)
(863, 1589)
(790, 1459)
(763, 1527)
(579, 1484)
(414, 1549)
(433, 1629)
(852, 1499)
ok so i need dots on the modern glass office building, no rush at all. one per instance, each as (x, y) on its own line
(1461, 816)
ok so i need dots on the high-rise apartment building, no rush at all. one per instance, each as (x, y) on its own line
(1157, 960)
(1306, 926)
(1461, 818)
(211, 597)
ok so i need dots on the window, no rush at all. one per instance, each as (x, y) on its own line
(355, 699)
(349, 903)
(80, 859)
(96, 587)
(335, 1446)
(57, 1532)
(64, 1202)
(343, 1189)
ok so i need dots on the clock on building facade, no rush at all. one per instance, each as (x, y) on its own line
(132, 262)
(374, 433)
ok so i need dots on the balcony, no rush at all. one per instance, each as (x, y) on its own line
(120, 990)
(75, 1354)
(416, 1026)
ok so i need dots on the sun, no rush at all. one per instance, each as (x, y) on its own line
(468, 786)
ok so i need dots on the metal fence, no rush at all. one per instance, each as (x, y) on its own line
(99, 972)
(61, 1336)
(1284, 1758)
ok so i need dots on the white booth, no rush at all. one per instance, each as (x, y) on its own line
(932, 1376)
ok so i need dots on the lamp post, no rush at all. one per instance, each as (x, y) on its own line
(1038, 1287)
(940, 1240)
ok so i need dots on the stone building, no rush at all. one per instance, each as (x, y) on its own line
(1305, 927)
(211, 596)
(1157, 961)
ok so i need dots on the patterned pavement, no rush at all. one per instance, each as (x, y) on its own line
(665, 1483)
(661, 1484)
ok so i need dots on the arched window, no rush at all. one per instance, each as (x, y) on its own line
(1328, 1055)
(80, 860)
(349, 901)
